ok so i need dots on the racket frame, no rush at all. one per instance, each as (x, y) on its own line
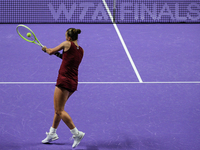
(35, 38)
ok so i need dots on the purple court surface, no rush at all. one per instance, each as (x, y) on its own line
(137, 92)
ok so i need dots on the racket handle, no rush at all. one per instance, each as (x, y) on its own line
(42, 47)
(58, 55)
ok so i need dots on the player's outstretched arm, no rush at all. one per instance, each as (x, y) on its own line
(64, 45)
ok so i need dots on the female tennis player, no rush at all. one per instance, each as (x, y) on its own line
(67, 82)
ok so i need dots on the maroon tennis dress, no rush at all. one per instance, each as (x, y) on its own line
(68, 73)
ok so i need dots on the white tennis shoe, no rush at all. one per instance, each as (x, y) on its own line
(77, 138)
(50, 137)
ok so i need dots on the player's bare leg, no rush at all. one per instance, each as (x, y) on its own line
(60, 98)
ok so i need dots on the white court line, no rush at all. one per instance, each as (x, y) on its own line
(27, 82)
(123, 43)
(173, 82)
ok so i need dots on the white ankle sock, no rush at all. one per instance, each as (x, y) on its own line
(52, 130)
(74, 131)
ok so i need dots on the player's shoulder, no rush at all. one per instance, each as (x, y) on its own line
(81, 49)
(66, 44)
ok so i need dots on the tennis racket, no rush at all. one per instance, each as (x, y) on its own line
(28, 35)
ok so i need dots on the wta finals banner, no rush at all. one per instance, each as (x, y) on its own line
(95, 11)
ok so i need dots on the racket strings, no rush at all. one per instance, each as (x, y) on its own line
(23, 32)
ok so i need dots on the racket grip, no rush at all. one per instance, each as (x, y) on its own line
(58, 55)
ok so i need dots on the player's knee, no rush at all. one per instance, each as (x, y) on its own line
(58, 112)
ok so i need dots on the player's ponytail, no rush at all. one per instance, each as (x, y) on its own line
(73, 33)
(78, 31)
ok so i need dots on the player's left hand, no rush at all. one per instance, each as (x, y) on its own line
(44, 48)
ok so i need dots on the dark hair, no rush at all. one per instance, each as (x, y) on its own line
(73, 33)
